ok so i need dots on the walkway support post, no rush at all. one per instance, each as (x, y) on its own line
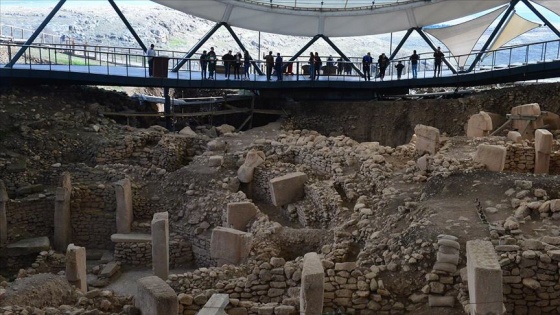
(125, 21)
(38, 31)
(501, 23)
(167, 108)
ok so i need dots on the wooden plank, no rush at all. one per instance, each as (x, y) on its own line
(195, 114)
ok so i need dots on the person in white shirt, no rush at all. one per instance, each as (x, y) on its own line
(151, 53)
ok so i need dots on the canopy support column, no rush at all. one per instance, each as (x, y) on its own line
(125, 21)
(431, 44)
(341, 54)
(501, 23)
(545, 20)
(167, 108)
(35, 34)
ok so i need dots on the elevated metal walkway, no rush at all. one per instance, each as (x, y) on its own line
(117, 66)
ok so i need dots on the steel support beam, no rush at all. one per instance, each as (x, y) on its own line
(545, 20)
(38, 31)
(401, 43)
(196, 47)
(431, 44)
(341, 54)
(501, 23)
(123, 18)
(238, 41)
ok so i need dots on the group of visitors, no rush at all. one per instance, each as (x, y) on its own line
(208, 62)
(209, 59)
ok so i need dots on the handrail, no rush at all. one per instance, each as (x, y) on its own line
(93, 57)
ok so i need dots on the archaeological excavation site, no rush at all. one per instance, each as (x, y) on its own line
(431, 206)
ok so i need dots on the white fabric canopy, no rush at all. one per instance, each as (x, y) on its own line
(397, 16)
(460, 39)
(552, 5)
(515, 27)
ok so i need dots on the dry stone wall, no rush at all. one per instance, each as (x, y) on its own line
(520, 158)
(140, 253)
(30, 217)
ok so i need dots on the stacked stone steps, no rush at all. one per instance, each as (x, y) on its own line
(441, 279)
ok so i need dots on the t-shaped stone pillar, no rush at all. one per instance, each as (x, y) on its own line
(543, 148)
(123, 191)
(427, 139)
(160, 244)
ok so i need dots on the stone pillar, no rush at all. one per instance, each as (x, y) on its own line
(3, 217)
(123, 191)
(287, 189)
(160, 245)
(155, 297)
(253, 159)
(62, 222)
(485, 278)
(229, 246)
(543, 149)
(493, 156)
(312, 285)
(427, 139)
(239, 214)
(524, 126)
(479, 125)
(76, 267)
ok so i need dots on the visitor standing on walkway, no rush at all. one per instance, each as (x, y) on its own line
(366, 66)
(414, 64)
(278, 67)
(318, 64)
(203, 64)
(311, 66)
(151, 53)
(211, 63)
(400, 68)
(237, 66)
(383, 63)
(246, 64)
(438, 58)
(228, 60)
(269, 59)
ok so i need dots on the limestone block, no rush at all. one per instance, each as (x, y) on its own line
(28, 246)
(428, 139)
(515, 136)
(76, 272)
(441, 301)
(223, 129)
(239, 214)
(160, 244)
(245, 174)
(123, 191)
(527, 127)
(62, 224)
(131, 238)
(187, 131)
(288, 188)
(312, 285)
(3, 217)
(215, 160)
(229, 246)
(216, 305)
(493, 156)
(543, 148)
(479, 125)
(155, 297)
(66, 181)
(485, 278)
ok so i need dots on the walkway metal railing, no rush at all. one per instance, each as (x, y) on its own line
(133, 62)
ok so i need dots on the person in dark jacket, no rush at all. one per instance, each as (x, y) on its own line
(203, 64)
(278, 67)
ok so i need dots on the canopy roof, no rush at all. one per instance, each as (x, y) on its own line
(333, 18)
